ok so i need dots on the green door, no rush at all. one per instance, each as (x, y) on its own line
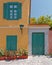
(37, 43)
(11, 42)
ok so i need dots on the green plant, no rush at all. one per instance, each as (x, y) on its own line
(7, 53)
(50, 24)
(10, 53)
(33, 21)
(1, 52)
(19, 52)
(22, 52)
(44, 19)
(13, 53)
(41, 20)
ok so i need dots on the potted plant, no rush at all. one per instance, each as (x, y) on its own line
(7, 55)
(22, 54)
(10, 55)
(2, 56)
(13, 55)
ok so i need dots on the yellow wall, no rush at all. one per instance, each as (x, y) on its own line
(22, 41)
(22, 38)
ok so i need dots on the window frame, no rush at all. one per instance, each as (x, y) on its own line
(18, 10)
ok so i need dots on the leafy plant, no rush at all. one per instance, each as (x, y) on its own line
(1, 52)
(50, 24)
(44, 19)
(32, 20)
(41, 20)
(7, 53)
(22, 52)
(19, 52)
(13, 53)
(10, 53)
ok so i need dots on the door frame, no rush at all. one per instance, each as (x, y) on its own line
(33, 30)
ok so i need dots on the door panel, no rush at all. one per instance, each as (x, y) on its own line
(11, 42)
(37, 43)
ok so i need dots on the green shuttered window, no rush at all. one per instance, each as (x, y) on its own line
(11, 42)
(12, 10)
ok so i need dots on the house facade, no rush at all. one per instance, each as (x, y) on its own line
(17, 33)
(14, 13)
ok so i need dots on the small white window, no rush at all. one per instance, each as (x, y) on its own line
(15, 6)
(15, 17)
(11, 6)
(15, 13)
(11, 11)
(11, 17)
(11, 14)
(15, 10)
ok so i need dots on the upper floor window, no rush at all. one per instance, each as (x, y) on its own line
(12, 10)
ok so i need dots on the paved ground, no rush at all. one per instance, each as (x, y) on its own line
(32, 60)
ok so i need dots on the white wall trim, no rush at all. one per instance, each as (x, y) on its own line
(29, 27)
(45, 31)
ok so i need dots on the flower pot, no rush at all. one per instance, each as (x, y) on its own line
(22, 57)
(2, 58)
(10, 57)
(14, 57)
(7, 58)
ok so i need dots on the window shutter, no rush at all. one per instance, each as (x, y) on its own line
(5, 11)
(14, 43)
(19, 9)
(8, 43)
(11, 43)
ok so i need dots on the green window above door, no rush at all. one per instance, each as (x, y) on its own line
(12, 10)
(11, 42)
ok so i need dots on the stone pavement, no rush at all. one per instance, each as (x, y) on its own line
(32, 60)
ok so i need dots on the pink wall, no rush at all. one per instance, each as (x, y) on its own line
(50, 42)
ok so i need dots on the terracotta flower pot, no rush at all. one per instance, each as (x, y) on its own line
(10, 57)
(22, 57)
(2, 58)
(14, 57)
(7, 58)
